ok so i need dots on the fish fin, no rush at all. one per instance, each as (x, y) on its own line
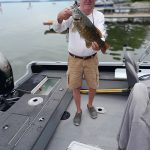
(105, 47)
(88, 44)
(99, 32)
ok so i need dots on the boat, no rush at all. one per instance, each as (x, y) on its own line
(36, 111)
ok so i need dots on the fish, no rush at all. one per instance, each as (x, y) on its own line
(87, 30)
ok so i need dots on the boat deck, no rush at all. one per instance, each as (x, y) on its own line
(34, 120)
(101, 132)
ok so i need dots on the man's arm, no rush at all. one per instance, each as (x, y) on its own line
(62, 22)
(49, 22)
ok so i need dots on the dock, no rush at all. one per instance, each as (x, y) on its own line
(130, 12)
(130, 17)
(135, 15)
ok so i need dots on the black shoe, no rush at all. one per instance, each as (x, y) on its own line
(77, 119)
(92, 112)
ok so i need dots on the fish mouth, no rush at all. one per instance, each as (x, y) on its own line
(76, 19)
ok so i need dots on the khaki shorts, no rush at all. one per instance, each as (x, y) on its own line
(79, 69)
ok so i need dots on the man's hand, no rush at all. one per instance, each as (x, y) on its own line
(95, 46)
(49, 22)
(64, 15)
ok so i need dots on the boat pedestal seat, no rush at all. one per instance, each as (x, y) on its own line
(147, 83)
(133, 78)
(134, 133)
(132, 70)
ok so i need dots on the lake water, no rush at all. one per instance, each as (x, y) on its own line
(22, 38)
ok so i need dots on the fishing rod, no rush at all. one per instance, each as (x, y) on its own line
(144, 54)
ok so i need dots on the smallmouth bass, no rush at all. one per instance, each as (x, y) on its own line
(87, 29)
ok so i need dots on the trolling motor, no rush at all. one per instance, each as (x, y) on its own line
(6, 83)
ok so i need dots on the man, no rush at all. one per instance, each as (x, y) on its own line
(82, 61)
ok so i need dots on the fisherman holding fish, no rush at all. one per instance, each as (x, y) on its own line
(86, 37)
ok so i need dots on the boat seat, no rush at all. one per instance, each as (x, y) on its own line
(132, 77)
(132, 70)
(128, 58)
(134, 133)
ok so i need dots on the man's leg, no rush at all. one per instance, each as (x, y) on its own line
(77, 99)
(74, 74)
(91, 109)
(91, 97)
(91, 74)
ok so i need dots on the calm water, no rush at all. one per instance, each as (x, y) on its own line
(22, 38)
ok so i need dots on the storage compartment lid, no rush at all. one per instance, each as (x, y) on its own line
(80, 146)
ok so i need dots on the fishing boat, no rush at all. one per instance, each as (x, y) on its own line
(36, 112)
